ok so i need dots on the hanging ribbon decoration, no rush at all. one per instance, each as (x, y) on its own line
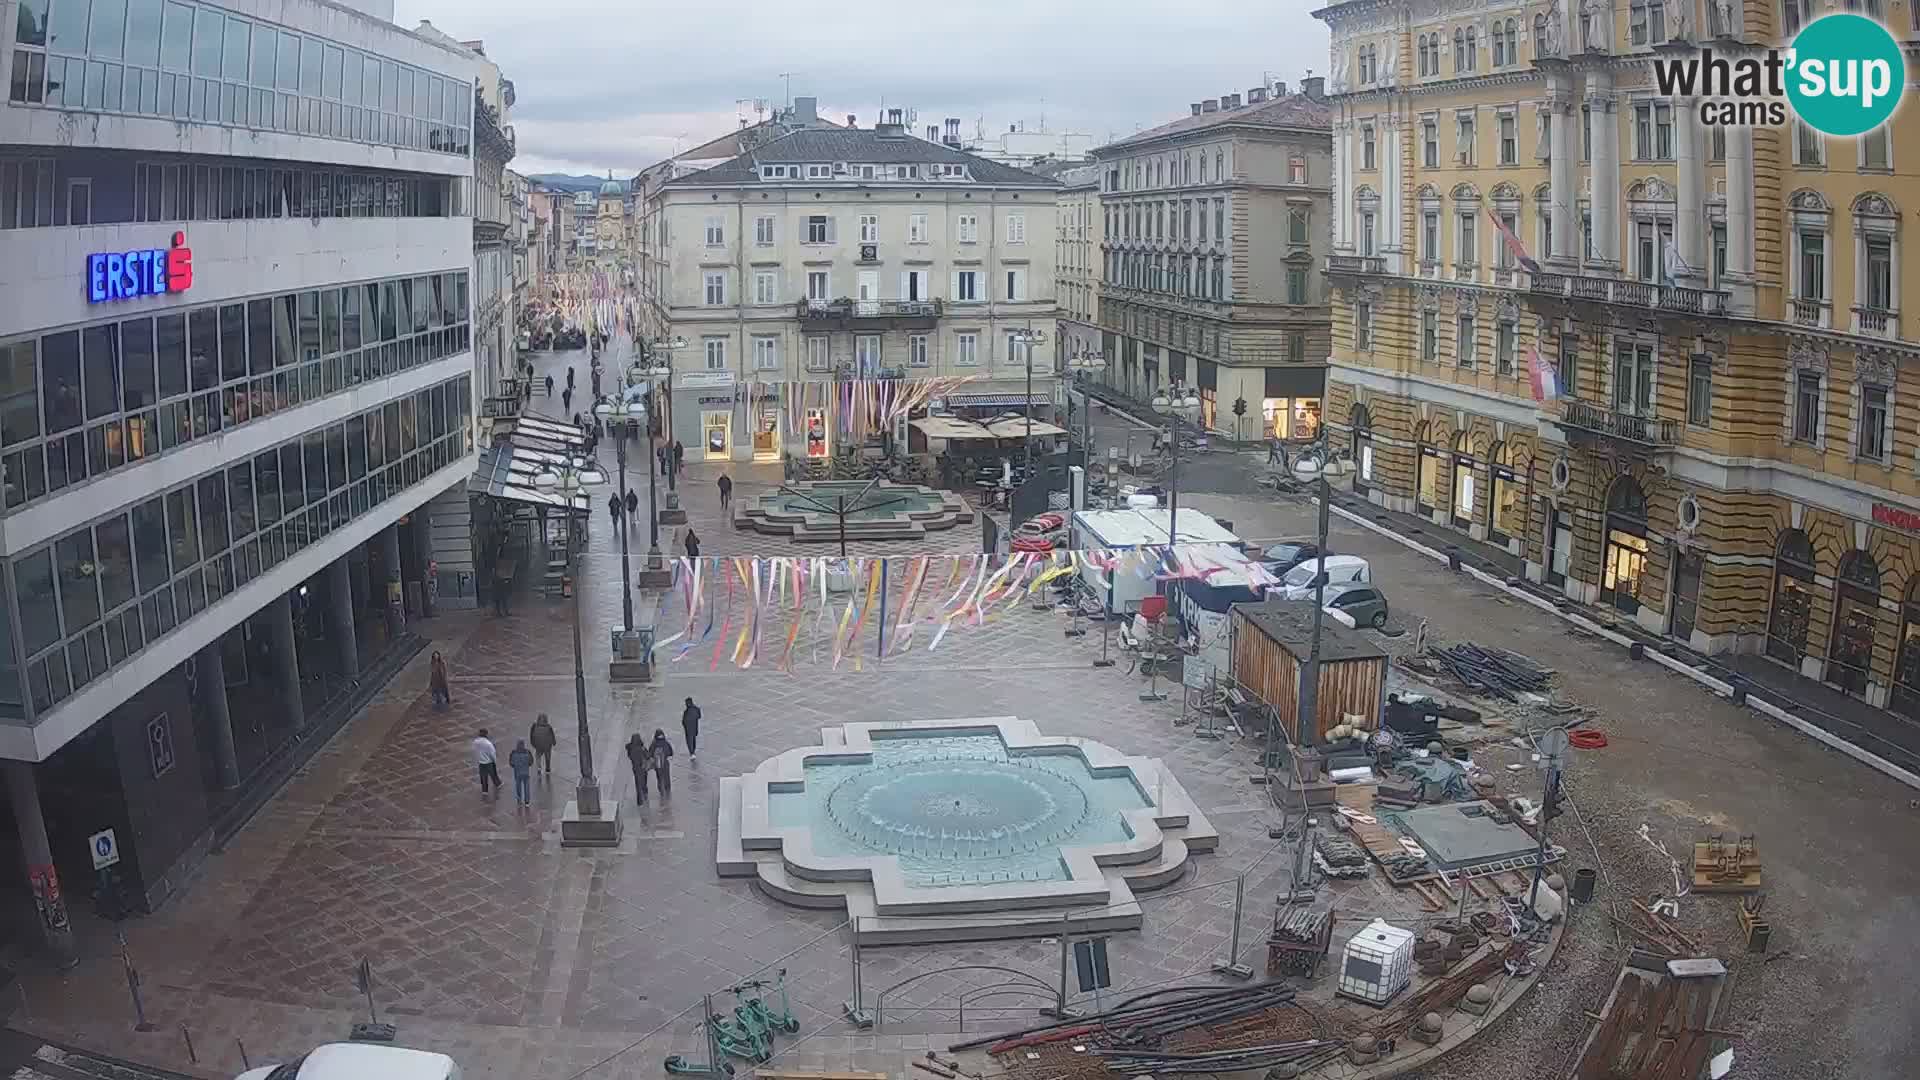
(720, 642)
(799, 611)
(873, 591)
(846, 617)
(909, 601)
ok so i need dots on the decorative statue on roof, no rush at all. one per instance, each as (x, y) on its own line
(1554, 21)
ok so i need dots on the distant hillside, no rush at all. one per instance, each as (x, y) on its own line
(564, 182)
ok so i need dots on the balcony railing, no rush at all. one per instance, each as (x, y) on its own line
(1809, 311)
(1876, 321)
(904, 314)
(1356, 264)
(1627, 427)
(1640, 294)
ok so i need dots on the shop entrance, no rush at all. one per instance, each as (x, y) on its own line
(1559, 546)
(1361, 423)
(1856, 615)
(1905, 698)
(1626, 548)
(1686, 594)
(766, 433)
(1463, 483)
(1792, 609)
(717, 432)
(816, 433)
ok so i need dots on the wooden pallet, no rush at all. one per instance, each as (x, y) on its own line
(1720, 867)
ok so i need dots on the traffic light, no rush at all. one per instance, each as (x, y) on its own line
(1239, 406)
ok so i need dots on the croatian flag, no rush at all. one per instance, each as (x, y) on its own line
(1514, 246)
(1544, 376)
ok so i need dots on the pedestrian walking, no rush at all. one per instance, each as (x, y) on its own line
(483, 759)
(690, 727)
(641, 758)
(549, 386)
(566, 399)
(613, 510)
(437, 682)
(544, 739)
(662, 753)
(521, 762)
(633, 502)
(660, 455)
(726, 490)
(569, 376)
(1273, 451)
(692, 541)
(679, 458)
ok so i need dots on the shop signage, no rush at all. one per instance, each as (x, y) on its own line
(124, 275)
(716, 399)
(1896, 517)
(704, 380)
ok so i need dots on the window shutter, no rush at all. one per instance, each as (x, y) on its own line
(831, 238)
(953, 286)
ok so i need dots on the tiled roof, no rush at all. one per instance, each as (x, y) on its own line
(861, 146)
(1293, 111)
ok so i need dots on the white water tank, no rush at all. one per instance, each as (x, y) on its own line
(1377, 963)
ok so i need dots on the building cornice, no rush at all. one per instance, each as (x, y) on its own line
(1210, 133)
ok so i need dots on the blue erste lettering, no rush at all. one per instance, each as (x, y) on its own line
(116, 270)
(157, 271)
(96, 278)
(130, 280)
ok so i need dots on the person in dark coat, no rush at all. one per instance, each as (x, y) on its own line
(726, 490)
(566, 399)
(690, 727)
(692, 540)
(662, 753)
(640, 756)
(549, 386)
(679, 457)
(521, 762)
(633, 502)
(543, 739)
(613, 508)
(437, 682)
(660, 455)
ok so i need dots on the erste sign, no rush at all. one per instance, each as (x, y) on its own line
(151, 272)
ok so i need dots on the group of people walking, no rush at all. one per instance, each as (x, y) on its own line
(534, 754)
(657, 755)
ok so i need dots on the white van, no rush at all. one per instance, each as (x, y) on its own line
(360, 1061)
(1298, 583)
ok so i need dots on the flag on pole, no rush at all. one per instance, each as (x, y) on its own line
(1514, 246)
(1676, 266)
(1544, 376)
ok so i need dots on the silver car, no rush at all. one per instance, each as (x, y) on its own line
(1362, 601)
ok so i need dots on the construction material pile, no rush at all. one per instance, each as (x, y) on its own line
(1339, 858)
(1494, 672)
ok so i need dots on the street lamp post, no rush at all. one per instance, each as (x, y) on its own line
(1175, 404)
(586, 822)
(661, 350)
(1026, 340)
(1082, 367)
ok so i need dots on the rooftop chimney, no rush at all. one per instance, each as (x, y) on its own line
(1314, 87)
(1280, 89)
(1257, 95)
(852, 121)
(806, 109)
(1233, 101)
(1209, 105)
(894, 127)
(1196, 108)
(933, 132)
(953, 131)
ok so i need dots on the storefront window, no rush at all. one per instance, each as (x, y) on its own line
(816, 433)
(718, 428)
(766, 434)
(1360, 422)
(1626, 549)
(1792, 598)
(1290, 418)
(1509, 514)
(1906, 664)
(1430, 480)
(1856, 616)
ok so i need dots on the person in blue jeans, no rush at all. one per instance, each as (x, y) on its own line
(521, 762)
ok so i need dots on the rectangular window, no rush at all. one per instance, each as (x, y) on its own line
(819, 354)
(1296, 285)
(1366, 147)
(1429, 336)
(1463, 139)
(1813, 266)
(1874, 151)
(1298, 218)
(1296, 347)
(1509, 141)
(1806, 408)
(716, 288)
(869, 229)
(1363, 326)
(1719, 254)
(766, 287)
(966, 285)
(1646, 252)
(1878, 290)
(716, 350)
(1663, 132)
(1429, 144)
(917, 229)
(1468, 253)
(917, 350)
(1872, 439)
(1505, 341)
(1700, 391)
(1502, 254)
(1220, 220)
(1633, 377)
(766, 354)
(1464, 334)
(1810, 148)
(967, 226)
(763, 230)
(819, 289)
(1643, 132)
(819, 229)
(1430, 236)
(1016, 228)
(966, 350)
(1570, 365)
(1016, 285)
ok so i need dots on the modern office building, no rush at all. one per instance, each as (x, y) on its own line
(1214, 228)
(1731, 459)
(234, 364)
(832, 255)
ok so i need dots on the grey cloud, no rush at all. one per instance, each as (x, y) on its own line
(619, 86)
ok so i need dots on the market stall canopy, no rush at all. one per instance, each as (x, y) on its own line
(950, 427)
(506, 472)
(539, 433)
(1015, 427)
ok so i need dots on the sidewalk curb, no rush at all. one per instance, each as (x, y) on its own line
(1719, 687)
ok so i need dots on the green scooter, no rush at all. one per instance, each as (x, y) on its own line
(754, 1011)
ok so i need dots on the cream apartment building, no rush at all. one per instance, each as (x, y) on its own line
(865, 258)
(1077, 257)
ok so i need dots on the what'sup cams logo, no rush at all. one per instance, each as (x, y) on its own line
(1843, 75)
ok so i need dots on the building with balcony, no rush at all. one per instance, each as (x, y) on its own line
(235, 362)
(1077, 256)
(1213, 234)
(826, 256)
(1734, 458)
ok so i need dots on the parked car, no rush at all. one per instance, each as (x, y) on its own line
(1363, 602)
(1287, 554)
(1298, 583)
(360, 1061)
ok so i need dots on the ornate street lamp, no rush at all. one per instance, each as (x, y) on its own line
(585, 823)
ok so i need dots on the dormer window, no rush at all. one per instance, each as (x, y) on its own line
(779, 172)
(954, 172)
(819, 172)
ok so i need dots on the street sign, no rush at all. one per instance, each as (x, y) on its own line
(1195, 673)
(105, 848)
(1090, 963)
(1553, 745)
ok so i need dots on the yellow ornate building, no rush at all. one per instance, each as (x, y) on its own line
(1735, 460)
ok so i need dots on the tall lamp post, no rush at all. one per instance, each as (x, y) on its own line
(660, 351)
(1176, 403)
(1026, 340)
(585, 823)
(649, 371)
(1083, 367)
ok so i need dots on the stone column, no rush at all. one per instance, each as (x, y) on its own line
(1689, 228)
(422, 523)
(1390, 195)
(286, 659)
(1564, 148)
(1740, 217)
(390, 563)
(44, 882)
(1342, 197)
(1606, 169)
(211, 678)
(340, 617)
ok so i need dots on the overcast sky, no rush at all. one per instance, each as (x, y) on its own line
(606, 85)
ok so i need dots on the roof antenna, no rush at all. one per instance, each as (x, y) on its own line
(788, 76)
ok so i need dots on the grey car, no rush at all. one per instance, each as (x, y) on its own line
(1363, 602)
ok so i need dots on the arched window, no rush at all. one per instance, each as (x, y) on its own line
(1856, 617)
(1466, 493)
(1792, 609)
(1499, 47)
(1360, 425)
(1220, 169)
(1473, 48)
(1203, 168)
(1459, 50)
(1905, 698)
(1625, 551)
(1539, 36)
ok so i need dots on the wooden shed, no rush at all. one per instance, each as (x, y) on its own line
(1271, 643)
